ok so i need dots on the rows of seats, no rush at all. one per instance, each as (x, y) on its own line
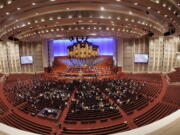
(92, 115)
(89, 104)
(137, 104)
(174, 76)
(98, 131)
(155, 78)
(172, 95)
(151, 89)
(17, 121)
(27, 108)
(3, 107)
(15, 77)
(128, 94)
(159, 111)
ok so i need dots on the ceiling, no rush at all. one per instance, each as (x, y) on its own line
(50, 19)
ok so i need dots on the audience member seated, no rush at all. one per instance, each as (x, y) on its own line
(126, 93)
(89, 103)
(39, 94)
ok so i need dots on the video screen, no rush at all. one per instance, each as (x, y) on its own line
(141, 58)
(26, 60)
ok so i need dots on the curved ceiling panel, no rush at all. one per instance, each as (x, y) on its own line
(46, 19)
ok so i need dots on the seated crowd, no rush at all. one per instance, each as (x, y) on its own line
(90, 96)
(41, 93)
(89, 103)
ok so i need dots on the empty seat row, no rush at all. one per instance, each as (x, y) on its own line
(172, 95)
(24, 124)
(159, 111)
(98, 131)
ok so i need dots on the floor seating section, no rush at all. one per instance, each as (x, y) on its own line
(172, 95)
(77, 122)
(157, 112)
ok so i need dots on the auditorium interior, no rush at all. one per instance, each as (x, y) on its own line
(89, 67)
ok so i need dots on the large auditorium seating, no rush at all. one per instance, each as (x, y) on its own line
(95, 107)
(89, 104)
(157, 112)
(17, 121)
(98, 131)
(172, 95)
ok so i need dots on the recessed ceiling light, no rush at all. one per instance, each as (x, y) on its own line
(70, 16)
(148, 7)
(101, 17)
(164, 5)
(136, 4)
(42, 20)
(18, 8)
(59, 17)
(7, 13)
(1, 6)
(93, 34)
(9, 1)
(165, 15)
(33, 3)
(50, 18)
(130, 13)
(102, 8)
(169, 8)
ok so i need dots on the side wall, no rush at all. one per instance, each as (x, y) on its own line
(163, 54)
(10, 57)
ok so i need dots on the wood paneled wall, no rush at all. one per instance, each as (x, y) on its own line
(130, 48)
(10, 57)
(163, 54)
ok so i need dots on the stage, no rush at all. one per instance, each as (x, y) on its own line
(103, 69)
